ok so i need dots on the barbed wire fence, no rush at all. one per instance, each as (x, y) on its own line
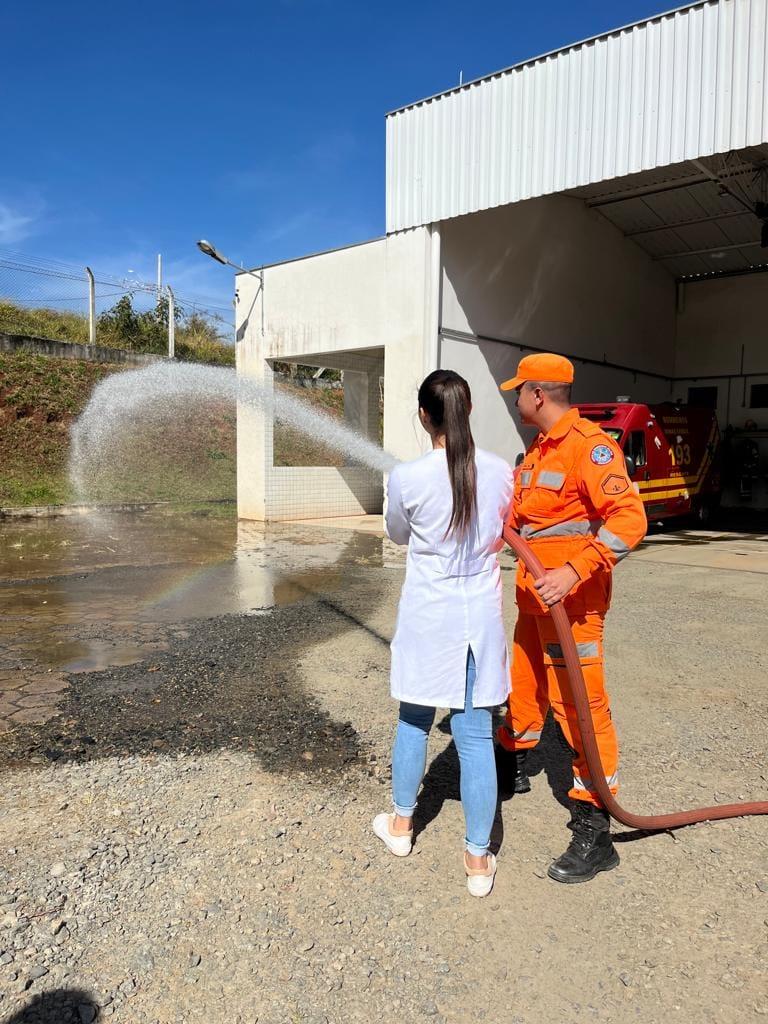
(47, 298)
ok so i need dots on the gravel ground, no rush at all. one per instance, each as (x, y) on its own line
(188, 840)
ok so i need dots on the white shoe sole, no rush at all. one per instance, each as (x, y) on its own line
(400, 846)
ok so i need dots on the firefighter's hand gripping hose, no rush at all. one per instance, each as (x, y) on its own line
(646, 822)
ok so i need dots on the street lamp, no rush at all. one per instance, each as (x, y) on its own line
(210, 250)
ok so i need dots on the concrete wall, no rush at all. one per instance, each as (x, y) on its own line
(71, 350)
(343, 309)
(723, 328)
(552, 274)
(548, 273)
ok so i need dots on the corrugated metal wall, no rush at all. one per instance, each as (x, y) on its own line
(676, 88)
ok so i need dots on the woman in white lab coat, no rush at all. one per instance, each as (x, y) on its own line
(449, 648)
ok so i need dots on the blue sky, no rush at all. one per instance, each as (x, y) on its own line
(134, 129)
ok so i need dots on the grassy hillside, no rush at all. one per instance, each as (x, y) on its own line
(189, 456)
(39, 398)
(197, 341)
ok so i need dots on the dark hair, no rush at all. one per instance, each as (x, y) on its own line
(560, 393)
(445, 397)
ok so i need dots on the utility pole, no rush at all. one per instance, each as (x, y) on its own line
(171, 323)
(91, 307)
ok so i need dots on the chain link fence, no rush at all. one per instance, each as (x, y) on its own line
(45, 298)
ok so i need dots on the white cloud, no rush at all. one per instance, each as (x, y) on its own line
(16, 224)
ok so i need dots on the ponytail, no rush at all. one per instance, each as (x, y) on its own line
(446, 398)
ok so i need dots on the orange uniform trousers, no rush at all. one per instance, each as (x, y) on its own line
(540, 681)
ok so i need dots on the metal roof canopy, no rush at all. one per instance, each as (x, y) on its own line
(632, 122)
(697, 219)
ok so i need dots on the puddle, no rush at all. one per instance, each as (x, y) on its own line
(157, 633)
(74, 656)
(82, 594)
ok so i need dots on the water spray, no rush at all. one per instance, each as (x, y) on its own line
(118, 399)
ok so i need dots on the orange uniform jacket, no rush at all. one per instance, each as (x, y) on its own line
(574, 503)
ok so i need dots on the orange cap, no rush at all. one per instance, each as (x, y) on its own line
(544, 366)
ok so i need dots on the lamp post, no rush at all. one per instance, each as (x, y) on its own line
(210, 250)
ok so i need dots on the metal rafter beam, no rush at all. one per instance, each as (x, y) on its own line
(648, 190)
(685, 223)
(720, 180)
(704, 252)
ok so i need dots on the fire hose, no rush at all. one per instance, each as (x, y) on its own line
(646, 822)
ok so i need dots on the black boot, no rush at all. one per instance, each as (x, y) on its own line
(510, 771)
(590, 850)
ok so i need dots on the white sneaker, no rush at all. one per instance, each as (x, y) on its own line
(399, 843)
(480, 880)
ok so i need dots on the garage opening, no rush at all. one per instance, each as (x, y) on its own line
(654, 285)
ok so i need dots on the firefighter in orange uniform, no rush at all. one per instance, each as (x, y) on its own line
(574, 503)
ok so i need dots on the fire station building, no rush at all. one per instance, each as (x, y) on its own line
(608, 201)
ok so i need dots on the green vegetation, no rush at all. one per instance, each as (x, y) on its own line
(189, 458)
(39, 398)
(197, 340)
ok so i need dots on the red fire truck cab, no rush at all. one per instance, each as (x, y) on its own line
(672, 454)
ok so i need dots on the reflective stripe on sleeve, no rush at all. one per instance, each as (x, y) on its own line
(532, 734)
(613, 543)
(525, 478)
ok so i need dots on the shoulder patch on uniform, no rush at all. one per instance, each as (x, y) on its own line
(601, 455)
(614, 484)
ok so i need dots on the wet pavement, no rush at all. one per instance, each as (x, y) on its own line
(91, 596)
(164, 630)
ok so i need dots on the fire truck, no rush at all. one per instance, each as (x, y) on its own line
(672, 454)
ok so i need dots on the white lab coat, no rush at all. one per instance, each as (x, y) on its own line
(451, 597)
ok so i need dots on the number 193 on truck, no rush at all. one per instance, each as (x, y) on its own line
(672, 454)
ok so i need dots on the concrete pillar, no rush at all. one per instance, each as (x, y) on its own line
(361, 402)
(255, 429)
(356, 401)
(374, 400)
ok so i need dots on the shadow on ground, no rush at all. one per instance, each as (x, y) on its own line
(60, 1006)
(552, 756)
(752, 523)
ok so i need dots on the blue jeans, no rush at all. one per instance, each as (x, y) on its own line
(472, 733)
